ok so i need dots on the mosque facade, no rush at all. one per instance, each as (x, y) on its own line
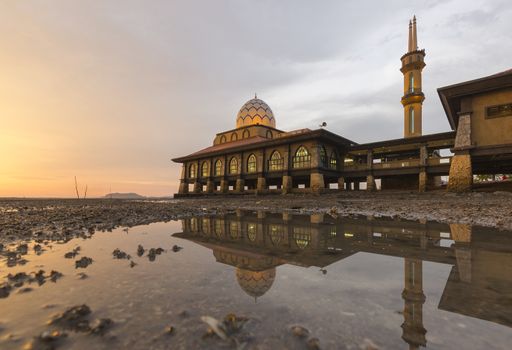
(257, 157)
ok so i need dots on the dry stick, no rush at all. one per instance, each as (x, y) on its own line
(85, 193)
(76, 189)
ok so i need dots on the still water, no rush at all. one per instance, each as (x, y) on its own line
(290, 281)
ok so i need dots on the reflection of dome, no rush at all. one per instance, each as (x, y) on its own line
(255, 112)
(255, 283)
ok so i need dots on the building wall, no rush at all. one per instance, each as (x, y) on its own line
(244, 133)
(491, 131)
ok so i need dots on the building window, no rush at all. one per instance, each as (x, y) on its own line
(233, 230)
(192, 171)
(246, 134)
(333, 161)
(275, 162)
(276, 234)
(302, 237)
(218, 228)
(251, 164)
(323, 157)
(251, 232)
(218, 167)
(204, 169)
(233, 166)
(302, 158)
(223, 139)
(411, 83)
(234, 136)
(499, 111)
(411, 120)
(269, 134)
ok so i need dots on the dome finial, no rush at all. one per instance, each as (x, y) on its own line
(255, 95)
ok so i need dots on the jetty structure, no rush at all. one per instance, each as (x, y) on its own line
(257, 157)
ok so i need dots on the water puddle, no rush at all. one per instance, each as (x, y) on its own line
(257, 280)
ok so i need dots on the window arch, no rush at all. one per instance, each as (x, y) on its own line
(251, 164)
(302, 158)
(333, 161)
(223, 139)
(323, 156)
(205, 170)
(246, 134)
(411, 120)
(269, 134)
(234, 136)
(218, 167)
(233, 166)
(192, 170)
(276, 162)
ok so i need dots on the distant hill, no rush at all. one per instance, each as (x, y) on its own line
(124, 196)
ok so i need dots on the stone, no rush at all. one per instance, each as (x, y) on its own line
(461, 173)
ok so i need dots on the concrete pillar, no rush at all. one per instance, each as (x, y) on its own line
(317, 218)
(287, 216)
(198, 187)
(461, 173)
(287, 184)
(316, 182)
(224, 186)
(422, 181)
(183, 187)
(240, 183)
(261, 214)
(210, 186)
(341, 183)
(370, 183)
(262, 184)
(356, 185)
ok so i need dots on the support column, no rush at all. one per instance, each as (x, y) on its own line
(341, 183)
(261, 185)
(198, 187)
(210, 186)
(370, 183)
(240, 183)
(461, 171)
(316, 182)
(183, 187)
(356, 185)
(422, 181)
(223, 186)
(287, 184)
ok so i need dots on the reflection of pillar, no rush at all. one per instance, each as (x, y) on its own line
(317, 218)
(461, 234)
(413, 331)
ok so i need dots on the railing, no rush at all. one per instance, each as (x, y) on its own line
(439, 161)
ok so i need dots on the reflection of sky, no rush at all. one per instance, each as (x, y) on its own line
(118, 88)
(358, 298)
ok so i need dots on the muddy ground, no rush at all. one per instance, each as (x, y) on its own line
(63, 219)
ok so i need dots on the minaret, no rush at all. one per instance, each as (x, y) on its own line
(412, 65)
(413, 331)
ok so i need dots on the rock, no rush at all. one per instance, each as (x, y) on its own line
(5, 290)
(55, 275)
(299, 331)
(47, 340)
(100, 326)
(313, 344)
(169, 330)
(83, 262)
(73, 253)
(140, 250)
(119, 254)
(176, 248)
(82, 275)
(74, 319)
(132, 264)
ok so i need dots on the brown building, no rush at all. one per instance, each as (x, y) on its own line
(256, 157)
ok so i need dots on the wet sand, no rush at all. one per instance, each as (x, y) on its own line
(63, 219)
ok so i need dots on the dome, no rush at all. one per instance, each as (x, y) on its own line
(255, 112)
(255, 283)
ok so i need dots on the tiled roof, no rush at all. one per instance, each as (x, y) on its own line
(227, 145)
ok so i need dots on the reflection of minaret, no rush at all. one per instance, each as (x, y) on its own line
(413, 331)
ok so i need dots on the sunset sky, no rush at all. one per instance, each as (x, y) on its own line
(110, 91)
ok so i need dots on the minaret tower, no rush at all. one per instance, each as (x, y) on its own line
(413, 331)
(412, 65)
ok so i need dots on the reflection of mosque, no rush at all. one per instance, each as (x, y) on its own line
(256, 243)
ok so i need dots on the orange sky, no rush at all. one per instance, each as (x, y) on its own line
(110, 91)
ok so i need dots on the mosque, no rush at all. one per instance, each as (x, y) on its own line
(257, 157)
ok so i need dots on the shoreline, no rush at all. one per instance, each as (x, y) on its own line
(63, 219)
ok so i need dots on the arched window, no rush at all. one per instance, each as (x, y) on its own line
(192, 170)
(218, 167)
(323, 157)
(223, 139)
(302, 158)
(234, 136)
(411, 120)
(333, 161)
(302, 237)
(233, 230)
(276, 234)
(204, 170)
(276, 162)
(251, 232)
(218, 228)
(246, 134)
(269, 134)
(233, 166)
(251, 164)
(411, 82)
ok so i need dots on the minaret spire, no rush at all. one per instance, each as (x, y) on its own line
(409, 49)
(414, 35)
